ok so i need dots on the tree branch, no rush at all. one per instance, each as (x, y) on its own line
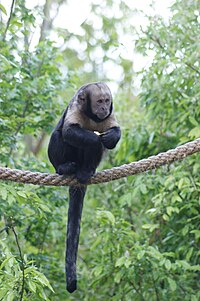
(46, 21)
(192, 67)
(22, 262)
(39, 144)
(9, 19)
(4, 229)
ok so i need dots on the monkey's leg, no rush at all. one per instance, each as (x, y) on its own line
(67, 168)
(62, 155)
(90, 160)
(73, 230)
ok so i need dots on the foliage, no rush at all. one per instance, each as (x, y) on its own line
(170, 88)
(140, 235)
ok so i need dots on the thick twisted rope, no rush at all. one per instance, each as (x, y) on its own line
(37, 178)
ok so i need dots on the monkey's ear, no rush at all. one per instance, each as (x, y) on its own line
(81, 98)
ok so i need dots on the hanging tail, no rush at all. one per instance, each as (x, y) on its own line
(76, 195)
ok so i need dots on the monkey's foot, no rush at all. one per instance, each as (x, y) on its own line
(83, 176)
(68, 168)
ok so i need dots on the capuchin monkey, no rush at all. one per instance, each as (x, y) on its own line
(87, 127)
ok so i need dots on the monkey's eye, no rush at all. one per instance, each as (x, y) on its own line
(99, 101)
(107, 100)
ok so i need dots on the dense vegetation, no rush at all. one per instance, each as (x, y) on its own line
(140, 235)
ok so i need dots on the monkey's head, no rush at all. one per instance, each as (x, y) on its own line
(95, 101)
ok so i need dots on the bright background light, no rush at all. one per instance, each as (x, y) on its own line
(74, 12)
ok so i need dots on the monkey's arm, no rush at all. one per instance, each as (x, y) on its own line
(79, 137)
(111, 137)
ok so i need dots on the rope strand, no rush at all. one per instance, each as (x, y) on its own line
(153, 162)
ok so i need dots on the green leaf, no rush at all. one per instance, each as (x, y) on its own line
(143, 188)
(32, 286)
(150, 227)
(22, 194)
(3, 293)
(117, 277)
(120, 261)
(5, 262)
(172, 284)
(195, 267)
(42, 279)
(194, 298)
(11, 199)
(3, 193)
(177, 198)
(98, 270)
(168, 264)
(7, 62)
(169, 210)
(189, 253)
(196, 233)
(141, 254)
(165, 217)
(154, 253)
(127, 263)
(104, 214)
(185, 230)
(193, 121)
(10, 296)
(2, 8)
(194, 133)
(44, 207)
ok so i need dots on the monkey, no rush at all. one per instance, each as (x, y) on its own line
(86, 129)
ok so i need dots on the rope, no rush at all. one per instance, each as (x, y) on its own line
(153, 162)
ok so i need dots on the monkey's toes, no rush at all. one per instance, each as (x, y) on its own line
(68, 168)
(83, 176)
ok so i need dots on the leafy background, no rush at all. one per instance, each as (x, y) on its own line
(140, 235)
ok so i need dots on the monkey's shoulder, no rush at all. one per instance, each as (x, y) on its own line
(75, 116)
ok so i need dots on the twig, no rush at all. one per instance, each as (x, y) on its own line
(137, 291)
(4, 229)
(22, 261)
(9, 19)
(192, 67)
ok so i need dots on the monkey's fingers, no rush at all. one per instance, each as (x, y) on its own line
(99, 134)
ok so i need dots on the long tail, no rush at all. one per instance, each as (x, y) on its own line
(76, 195)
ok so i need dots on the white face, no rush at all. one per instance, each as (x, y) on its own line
(101, 100)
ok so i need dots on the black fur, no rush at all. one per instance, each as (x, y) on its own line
(74, 150)
(111, 137)
(73, 230)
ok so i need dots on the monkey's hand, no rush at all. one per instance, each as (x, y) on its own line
(79, 137)
(111, 137)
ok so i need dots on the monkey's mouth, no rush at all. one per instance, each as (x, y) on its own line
(102, 115)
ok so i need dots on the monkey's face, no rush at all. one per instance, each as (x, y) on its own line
(100, 101)
(96, 101)
(100, 106)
